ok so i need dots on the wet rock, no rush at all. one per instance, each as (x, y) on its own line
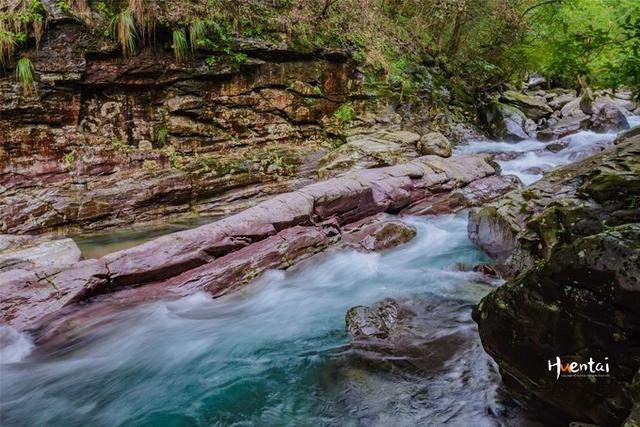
(607, 115)
(579, 303)
(223, 255)
(565, 126)
(347, 199)
(569, 243)
(434, 143)
(227, 273)
(485, 269)
(525, 225)
(377, 233)
(374, 322)
(556, 147)
(534, 107)
(29, 297)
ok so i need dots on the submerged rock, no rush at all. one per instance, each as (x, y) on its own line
(374, 322)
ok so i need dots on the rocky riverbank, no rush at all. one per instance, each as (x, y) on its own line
(220, 256)
(570, 244)
(549, 115)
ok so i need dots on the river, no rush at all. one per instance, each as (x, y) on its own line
(276, 353)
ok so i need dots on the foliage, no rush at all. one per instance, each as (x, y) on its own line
(124, 29)
(481, 43)
(345, 113)
(24, 74)
(161, 134)
(585, 42)
(180, 46)
(197, 34)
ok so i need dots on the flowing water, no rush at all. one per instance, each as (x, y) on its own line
(276, 353)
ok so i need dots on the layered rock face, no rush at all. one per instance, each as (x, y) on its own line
(572, 243)
(106, 140)
(223, 255)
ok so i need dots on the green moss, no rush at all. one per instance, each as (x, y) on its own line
(69, 159)
(345, 113)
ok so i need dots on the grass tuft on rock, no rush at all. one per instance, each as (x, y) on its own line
(124, 28)
(180, 46)
(197, 34)
(24, 74)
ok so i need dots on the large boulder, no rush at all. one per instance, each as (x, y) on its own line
(607, 116)
(534, 107)
(569, 245)
(581, 304)
(434, 143)
(504, 121)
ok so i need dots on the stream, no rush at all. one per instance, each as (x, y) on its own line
(276, 352)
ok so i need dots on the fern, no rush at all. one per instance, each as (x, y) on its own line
(124, 28)
(180, 47)
(24, 74)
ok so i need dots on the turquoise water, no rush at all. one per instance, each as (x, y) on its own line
(275, 353)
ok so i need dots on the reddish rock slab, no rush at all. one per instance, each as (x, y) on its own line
(220, 256)
(476, 193)
(346, 199)
(27, 297)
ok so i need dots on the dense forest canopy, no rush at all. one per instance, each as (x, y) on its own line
(483, 42)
